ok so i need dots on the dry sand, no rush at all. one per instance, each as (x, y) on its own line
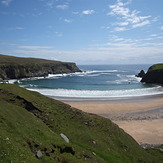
(142, 118)
(145, 131)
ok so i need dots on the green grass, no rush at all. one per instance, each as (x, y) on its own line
(4, 59)
(156, 67)
(30, 122)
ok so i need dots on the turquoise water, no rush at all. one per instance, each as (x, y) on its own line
(95, 81)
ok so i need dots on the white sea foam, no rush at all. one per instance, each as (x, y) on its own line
(64, 75)
(125, 79)
(12, 81)
(84, 73)
(100, 94)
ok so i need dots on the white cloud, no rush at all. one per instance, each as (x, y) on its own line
(59, 34)
(67, 20)
(62, 7)
(88, 12)
(118, 9)
(35, 47)
(50, 4)
(117, 50)
(6, 2)
(129, 18)
(120, 29)
(84, 12)
(134, 19)
(16, 28)
(123, 23)
(161, 27)
(117, 39)
(153, 35)
(19, 28)
(105, 27)
(141, 24)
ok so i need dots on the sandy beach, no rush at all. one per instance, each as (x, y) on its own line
(141, 117)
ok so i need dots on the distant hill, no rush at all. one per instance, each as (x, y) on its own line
(37, 129)
(154, 75)
(16, 67)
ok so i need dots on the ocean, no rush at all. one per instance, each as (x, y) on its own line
(96, 81)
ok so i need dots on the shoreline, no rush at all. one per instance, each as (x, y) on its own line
(108, 99)
(116, 105)
(141, 117)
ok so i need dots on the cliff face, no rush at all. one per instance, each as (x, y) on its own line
(16, 68)
(154, 75)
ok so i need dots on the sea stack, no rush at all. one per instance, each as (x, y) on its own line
(140, 74)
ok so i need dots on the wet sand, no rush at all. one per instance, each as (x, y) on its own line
(141, 117)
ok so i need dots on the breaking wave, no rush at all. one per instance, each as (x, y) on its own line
(100, 94)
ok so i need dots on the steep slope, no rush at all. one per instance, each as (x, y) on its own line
(31, 126)
(16, 67)
(154, 75)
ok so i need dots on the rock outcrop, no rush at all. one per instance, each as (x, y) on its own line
(154, 75)
(140, 74)
(17, 68)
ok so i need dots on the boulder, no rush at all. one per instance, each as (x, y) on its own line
(38, 154)
(64, 138)
(140, 74)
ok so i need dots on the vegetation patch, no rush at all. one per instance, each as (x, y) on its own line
(31, 126)
(156, 67)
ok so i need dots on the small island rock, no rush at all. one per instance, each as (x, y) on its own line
(140, 74)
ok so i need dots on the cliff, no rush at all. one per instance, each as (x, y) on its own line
(37, 129)
(16, 67)
(154, 75)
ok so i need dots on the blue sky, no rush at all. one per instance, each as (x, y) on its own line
(83, 31)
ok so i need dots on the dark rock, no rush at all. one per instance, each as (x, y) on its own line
(141, 74)
(67, 150)
(154, 75)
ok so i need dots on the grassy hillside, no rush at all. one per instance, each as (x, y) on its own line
(4, 59)
(31, 124)
(156, 67)
(17, 67)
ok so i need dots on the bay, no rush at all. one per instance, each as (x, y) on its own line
(96, 81)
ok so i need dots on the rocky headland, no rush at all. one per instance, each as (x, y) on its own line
(17, 68)
(154, 75)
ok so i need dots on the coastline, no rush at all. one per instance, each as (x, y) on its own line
(109, 99)
(133, 113)
(141, 117)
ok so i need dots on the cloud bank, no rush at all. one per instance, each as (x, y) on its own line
(130, 18)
